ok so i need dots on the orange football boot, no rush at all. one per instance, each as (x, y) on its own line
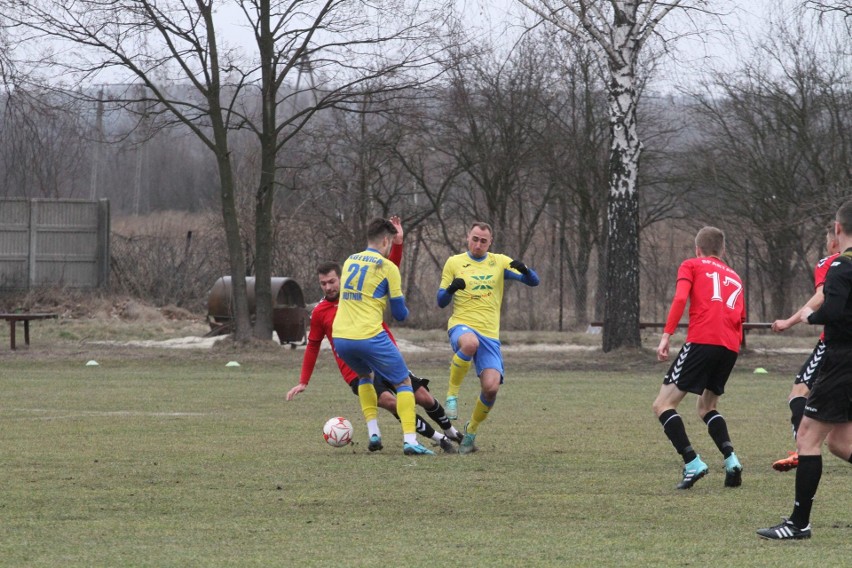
(788, 463)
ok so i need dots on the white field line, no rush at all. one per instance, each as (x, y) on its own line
(57, 414)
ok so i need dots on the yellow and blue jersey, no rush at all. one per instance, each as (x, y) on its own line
(368, 281)
(478, 305)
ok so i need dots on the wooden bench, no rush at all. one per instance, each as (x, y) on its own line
(13, 320)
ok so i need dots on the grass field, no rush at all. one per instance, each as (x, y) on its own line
(169, 458)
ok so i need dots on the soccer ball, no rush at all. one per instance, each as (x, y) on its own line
(337, 432)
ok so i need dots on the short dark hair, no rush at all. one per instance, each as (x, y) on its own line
(844, 217)
(329, 266)
(378, 228)
(482, 225)
(711, 241)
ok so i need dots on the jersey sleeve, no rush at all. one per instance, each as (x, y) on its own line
(510, 273)
(819, 275)
(821, 270)
(315, 336)
(685, 272)
(395, 254)
(678, 305)
(394, 281)
(309, 361)
(317, 330)
(530, 278)
(448, 273)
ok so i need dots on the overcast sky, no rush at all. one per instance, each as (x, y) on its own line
(705, 42)
(722, 40)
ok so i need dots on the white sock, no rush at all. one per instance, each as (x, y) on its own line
(410, 439)
(373, 428)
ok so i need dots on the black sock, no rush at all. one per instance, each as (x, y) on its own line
(437, 414)
(797, 410)
(718, 429)
(676, 432)
(423, 427)
(807, 480)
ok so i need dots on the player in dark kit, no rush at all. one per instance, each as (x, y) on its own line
(716, 315)
(828, 412)
(805, 379)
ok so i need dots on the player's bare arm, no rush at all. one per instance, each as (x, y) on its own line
(663, 348)
(813, 304)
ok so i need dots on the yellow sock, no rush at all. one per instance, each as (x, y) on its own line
(458, 369)
(369, 401)
(480, 413)
(405, 410)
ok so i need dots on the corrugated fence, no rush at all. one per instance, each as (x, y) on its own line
(54, 242)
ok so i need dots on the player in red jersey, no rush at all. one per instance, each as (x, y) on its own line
(713, 337)
(805, 379)
(322, 318)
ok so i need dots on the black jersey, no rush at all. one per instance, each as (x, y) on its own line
(836, 310)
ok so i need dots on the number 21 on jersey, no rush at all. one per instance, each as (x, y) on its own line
(354, 270)
(727, 282)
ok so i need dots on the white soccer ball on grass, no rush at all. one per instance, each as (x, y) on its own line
(337, 432)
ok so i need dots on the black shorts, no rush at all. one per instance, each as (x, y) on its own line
(381, 385)
(699, 366)
(831, 396)
(809, 371)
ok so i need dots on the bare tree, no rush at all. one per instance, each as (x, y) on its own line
(574, 151)
(491, 125)
(196, 78)
(619, 30)
(774, 151)
(42, 152)
(841, 7)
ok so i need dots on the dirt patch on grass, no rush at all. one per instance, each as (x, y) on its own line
(89, 304)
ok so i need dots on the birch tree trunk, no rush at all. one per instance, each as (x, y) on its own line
(617, 29)
(621, 306)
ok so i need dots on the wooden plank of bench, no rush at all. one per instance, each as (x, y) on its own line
(13, 320)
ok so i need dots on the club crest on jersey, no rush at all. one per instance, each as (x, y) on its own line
(481, 282)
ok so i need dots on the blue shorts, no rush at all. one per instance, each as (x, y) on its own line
(487, 356)
(377, 354)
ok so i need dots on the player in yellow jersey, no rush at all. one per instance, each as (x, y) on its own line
(369, 282)
(473, 282)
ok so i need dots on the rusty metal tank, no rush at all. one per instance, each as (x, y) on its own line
(289, 316)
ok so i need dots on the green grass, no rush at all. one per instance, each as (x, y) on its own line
(175, 460)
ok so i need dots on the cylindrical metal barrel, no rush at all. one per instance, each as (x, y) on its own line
(288, 306)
